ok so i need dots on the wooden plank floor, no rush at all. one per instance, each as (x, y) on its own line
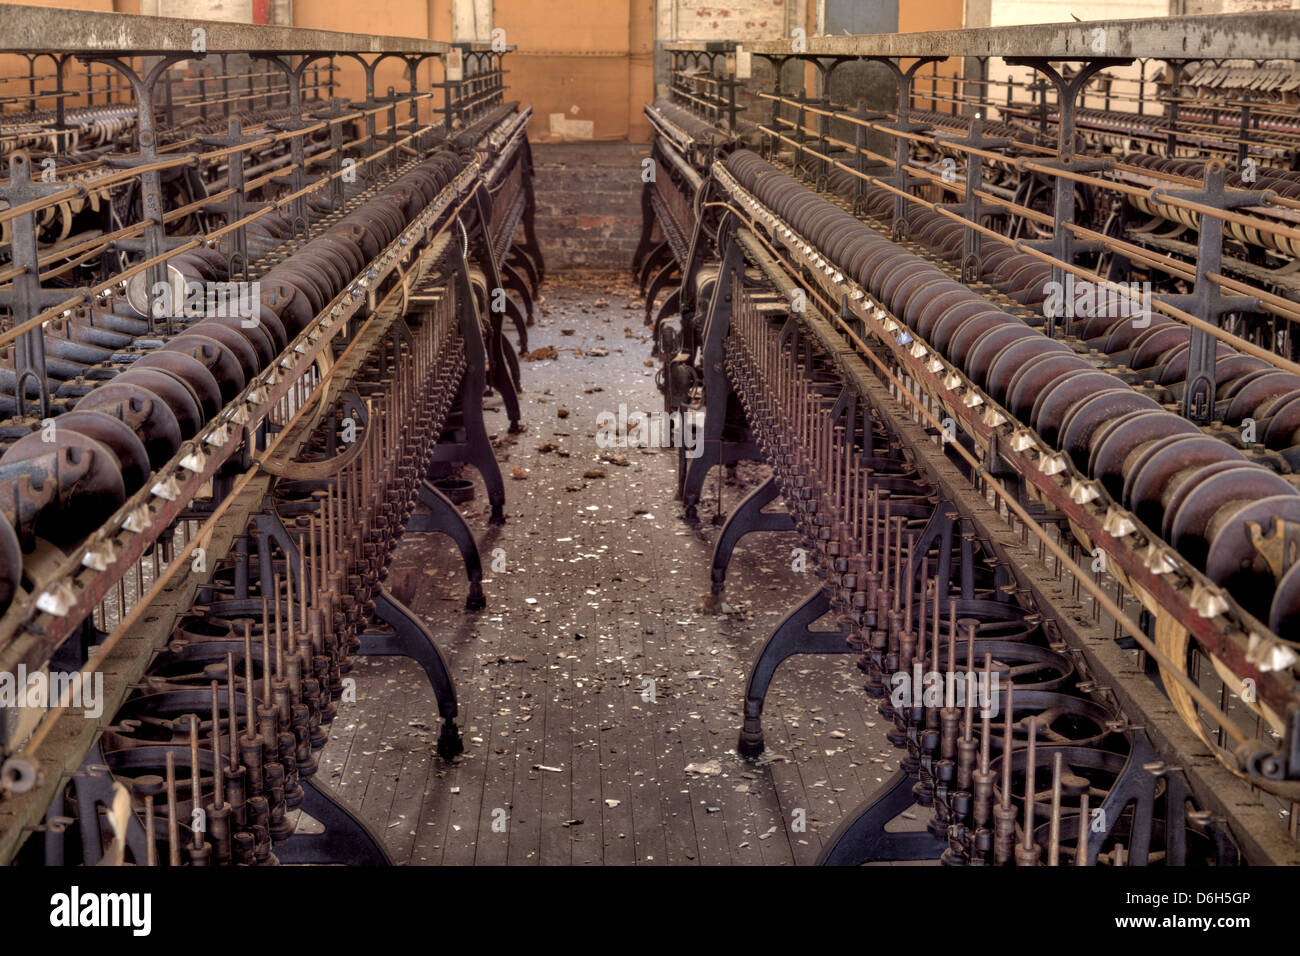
(568, 759)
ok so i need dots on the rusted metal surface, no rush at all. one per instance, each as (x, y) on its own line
(1252, 36)
(40, 29)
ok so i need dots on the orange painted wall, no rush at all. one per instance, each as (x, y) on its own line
(915, 17)
(594, 55)
(390, 17)
(16, 66)
(586, 59)
(641, 68)
(933, 15)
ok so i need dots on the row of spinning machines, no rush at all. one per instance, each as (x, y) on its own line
(249, 339)
(1009, 326)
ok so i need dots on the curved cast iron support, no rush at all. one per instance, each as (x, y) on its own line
(521, 323)
(271, 530)
(346, 840)
(658, 256)
(861, 837)
(1137, 786)
(532, 248)
(647, 228)
(518, 256)
(486, 257)
(505, 379)
(476, 449)
(661, 282)
(748, 516)
(791, 637)
(443, 518)
(717, 392)
(410, 638)
(512, 367)
(503, 374)
(516, 282)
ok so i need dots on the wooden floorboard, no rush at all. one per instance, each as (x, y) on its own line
(601, 592)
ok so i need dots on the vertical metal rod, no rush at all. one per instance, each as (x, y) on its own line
(173, 835)
(218, 778)
(1054, 833)
(196, 791)
(1081, 850)
(232, 710)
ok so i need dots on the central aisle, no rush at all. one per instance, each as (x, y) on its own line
(565, 761)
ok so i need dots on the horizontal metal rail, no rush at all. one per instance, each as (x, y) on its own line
(55, 30)
(1249, 36)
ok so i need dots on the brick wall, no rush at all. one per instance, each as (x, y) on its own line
(588, 203)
